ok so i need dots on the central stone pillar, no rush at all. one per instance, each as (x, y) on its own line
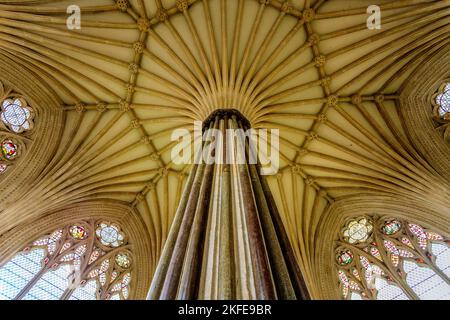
(227, 240)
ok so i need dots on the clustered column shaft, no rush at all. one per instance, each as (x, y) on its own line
(227, 240)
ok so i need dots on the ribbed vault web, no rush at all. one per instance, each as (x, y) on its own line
(138, 70)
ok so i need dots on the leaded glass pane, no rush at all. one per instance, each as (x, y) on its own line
(388, 291)
(425, 282)
(86, 292)
(442, 254)
(18, 272)
(51, 286)
(355, 296)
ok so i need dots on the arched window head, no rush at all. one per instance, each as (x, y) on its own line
(441, 111)
(86, 260)
(391, 258)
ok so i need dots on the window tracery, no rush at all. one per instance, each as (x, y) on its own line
(9, 149)
(441, 110)
(390, 258)
(74, 262)
(15, 113)
(16, 120)
(9, 152)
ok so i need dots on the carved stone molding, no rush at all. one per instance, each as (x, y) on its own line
(44, 138)
(417, 110)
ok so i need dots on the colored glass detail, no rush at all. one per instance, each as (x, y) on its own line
(78, 232)
(344, 257)
(392, 262)
(358, 230)
(47, 268)
(123, 260)
(391, 227)
(9, 149)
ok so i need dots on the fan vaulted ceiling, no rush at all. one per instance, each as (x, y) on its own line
(312, 69)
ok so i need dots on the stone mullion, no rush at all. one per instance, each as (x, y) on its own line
(361, 272)
(428, 261)
(365, 291)
(45, 268)
(393, 272)
(84, 262)
(31, 283)
(384, 266)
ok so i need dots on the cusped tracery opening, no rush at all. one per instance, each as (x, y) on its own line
(388, 258)
(441, 110)
(72, 263)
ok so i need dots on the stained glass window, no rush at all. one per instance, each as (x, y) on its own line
(358, 230)
(9, 153)
(389, 258)
(109, 235)
(16, 115)
(8, 149)
(443, 101)
(441, 111)
(74, 263)
(78, 232)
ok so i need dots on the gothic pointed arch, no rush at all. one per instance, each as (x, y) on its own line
(30, 129)
(427, 129)
(97, 249)
(371, 214)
